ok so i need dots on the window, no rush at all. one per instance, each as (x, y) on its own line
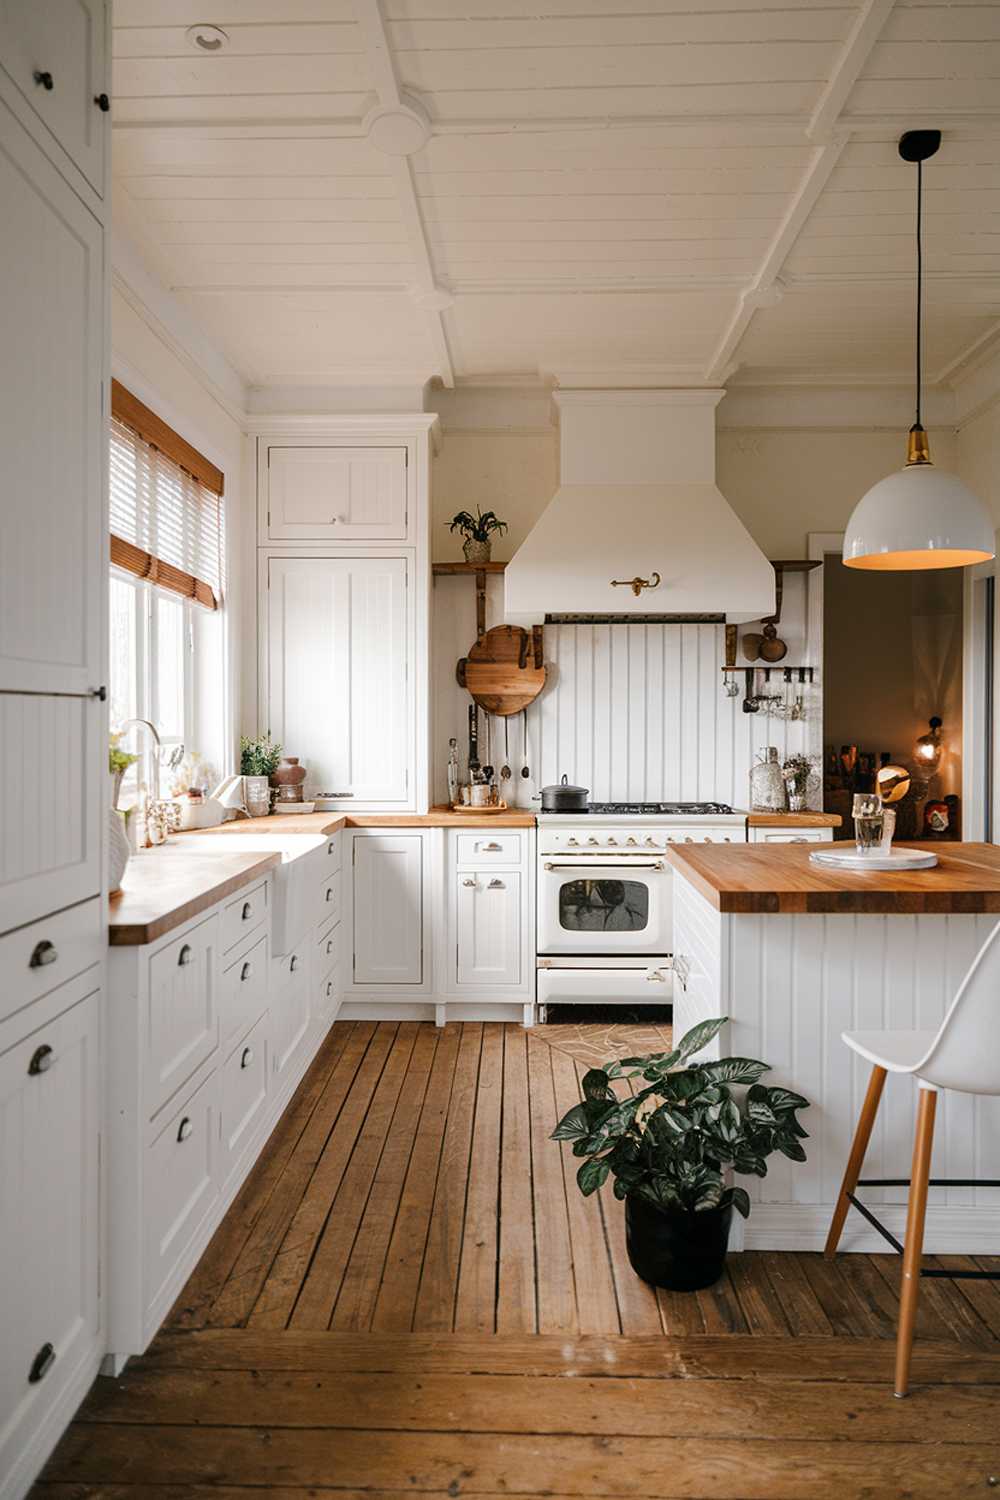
(166, 592)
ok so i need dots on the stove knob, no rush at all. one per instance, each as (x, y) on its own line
(630, 841)
(612, 842)
(670, 839)
(651, 842)
(572, 843)
(707, 839)
(688, 839)
(592, 841)
(727, 839)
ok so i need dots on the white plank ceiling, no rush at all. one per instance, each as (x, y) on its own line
(650, 190)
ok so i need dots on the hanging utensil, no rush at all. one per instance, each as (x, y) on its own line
(505, 771)
(750, 704)
(488, 741)
(525, 768)
(772, 648)
(473, 740)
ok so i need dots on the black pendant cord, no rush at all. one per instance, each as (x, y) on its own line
(920, 280)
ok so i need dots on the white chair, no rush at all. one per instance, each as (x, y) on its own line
(962, 1054)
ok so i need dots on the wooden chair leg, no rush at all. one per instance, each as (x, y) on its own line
(855, 1161)
(914, 1244)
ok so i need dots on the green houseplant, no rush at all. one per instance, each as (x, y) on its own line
(477, 530)
(258, 758)
(668, 1145)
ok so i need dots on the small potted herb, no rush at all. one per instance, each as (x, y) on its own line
(119, 761)
(668, 1145)
(796, 772)
(258, 759)
(477, 530)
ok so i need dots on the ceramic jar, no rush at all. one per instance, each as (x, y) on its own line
(257, 796)
(288, 778)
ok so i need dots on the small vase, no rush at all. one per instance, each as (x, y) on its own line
(289, 774)
(796, 800)
(257, 795)
(118, 850)
(476, 552)
(116, 787)
(676, 1248)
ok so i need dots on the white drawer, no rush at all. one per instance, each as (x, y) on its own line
(244, 991)
(244, 914)
(328, 898)
(179, 1183)
(35, 959)
(489, 848)
(331, 859)
(243, 1094)
(327, 997)
(183, 1020)
(793, 835)
(327, 946)
(652, 986)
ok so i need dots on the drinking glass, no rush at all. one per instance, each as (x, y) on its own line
(867, 812)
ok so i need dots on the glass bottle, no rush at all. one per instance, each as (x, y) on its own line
(767, 785)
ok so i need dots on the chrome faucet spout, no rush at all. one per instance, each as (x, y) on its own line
(148, 724)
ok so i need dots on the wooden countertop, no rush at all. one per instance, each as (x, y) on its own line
(326, 822)
(773, 878)
(164, 888)
(794, 820)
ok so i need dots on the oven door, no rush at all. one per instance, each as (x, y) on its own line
(607, 907)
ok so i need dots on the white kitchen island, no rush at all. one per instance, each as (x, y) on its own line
(796, 955)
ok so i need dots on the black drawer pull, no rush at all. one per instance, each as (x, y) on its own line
(247, 1057)
(186, 955)
(45, 81)
(103, 103)
(331, 848)
(293, 963)
(184, 1129)
(247, 911)
(43, 953)
(41, 1060)
(246, 972)
(329, 893)
(41, 1364)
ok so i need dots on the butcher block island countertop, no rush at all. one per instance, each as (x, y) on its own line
(163, 888)
(778, 879)
(793, 820)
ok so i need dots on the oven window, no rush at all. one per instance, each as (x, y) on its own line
(604, 906)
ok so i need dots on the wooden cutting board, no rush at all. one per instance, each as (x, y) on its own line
(504, 670)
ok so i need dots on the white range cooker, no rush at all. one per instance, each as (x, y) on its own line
(605, 898)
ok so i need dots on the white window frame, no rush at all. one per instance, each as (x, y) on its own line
(145, 682)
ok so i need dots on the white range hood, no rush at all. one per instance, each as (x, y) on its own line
(638, 497)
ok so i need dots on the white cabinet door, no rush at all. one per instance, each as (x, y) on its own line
(792, 836)
(55, 52)
(290, 1008)
(180, 1184)
(52, 755)
(338, 684)
(488, 911)
(335, 494)
(53, 557)
(388, 909)
(49, 1137)
(182, 1024)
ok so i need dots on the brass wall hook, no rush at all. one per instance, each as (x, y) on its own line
(637, 584)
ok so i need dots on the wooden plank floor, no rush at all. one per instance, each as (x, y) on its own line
(410, 1296)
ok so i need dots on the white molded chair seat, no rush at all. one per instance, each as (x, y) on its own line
(895, 1051)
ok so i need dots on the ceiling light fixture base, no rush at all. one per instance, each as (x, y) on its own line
(398, 129)
(919, 145)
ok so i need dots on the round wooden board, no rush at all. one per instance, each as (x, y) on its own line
(493, 674)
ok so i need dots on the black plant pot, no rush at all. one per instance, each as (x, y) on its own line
(676, 1248)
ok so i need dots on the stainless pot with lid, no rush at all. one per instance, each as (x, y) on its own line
(563, 798)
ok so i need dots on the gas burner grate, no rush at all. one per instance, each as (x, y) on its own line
(661, 809)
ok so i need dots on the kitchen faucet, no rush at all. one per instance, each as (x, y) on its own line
(148, 724)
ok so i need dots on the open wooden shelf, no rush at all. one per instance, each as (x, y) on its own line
(466, 567)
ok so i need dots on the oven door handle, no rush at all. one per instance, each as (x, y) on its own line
(656, 864)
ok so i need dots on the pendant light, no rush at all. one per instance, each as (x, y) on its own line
(919, 517)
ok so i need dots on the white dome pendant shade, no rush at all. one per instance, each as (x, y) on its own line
(919, 517)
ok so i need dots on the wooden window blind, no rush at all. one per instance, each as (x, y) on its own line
(166, 520)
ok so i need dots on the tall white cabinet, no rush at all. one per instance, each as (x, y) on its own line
(54, 140)
(343, 593)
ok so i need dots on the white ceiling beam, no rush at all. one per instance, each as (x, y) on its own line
(848, 68)
(980, 349)
(428, 295)
(767, 289)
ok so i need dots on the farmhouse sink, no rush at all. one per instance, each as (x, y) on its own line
(295, 879)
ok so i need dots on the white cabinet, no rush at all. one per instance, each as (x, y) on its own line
(338, 672)
(290, 1007)
(333, 493)
(388, 909)
(790, 835)
(181, 1173)
(52, 562)
(49, 1151)
(55, 52)
(488, 930)
(182, 1017)
(243, 1095)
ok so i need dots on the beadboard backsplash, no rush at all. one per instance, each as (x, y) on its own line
(634, 712)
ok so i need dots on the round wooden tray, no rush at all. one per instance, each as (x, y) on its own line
(494, 807)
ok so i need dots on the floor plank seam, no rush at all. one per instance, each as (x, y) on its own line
(437, 1179)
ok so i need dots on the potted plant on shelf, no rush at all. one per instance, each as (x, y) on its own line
(797, 772)
(668, 1145)
(477, 530)
(258, 759)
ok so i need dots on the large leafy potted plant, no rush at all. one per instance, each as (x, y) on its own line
(669, 1144)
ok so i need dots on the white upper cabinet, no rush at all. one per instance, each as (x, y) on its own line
(55, 51)
(338, 691)
(52, 560)
(333, 493)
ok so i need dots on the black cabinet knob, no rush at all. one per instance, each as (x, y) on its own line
(41, 1364)
(41, 1060)
(44, 80)
(103, 103)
